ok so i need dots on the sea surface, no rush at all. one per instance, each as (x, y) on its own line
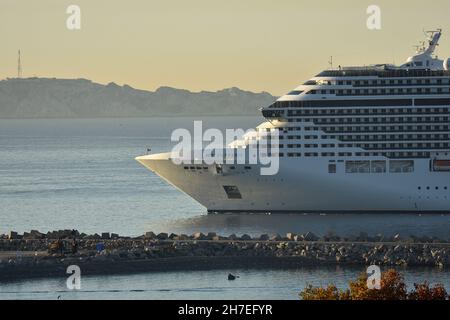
(207, 285)
(81, 174)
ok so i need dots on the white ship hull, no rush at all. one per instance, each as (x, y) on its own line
(356, 139)
(305, 186)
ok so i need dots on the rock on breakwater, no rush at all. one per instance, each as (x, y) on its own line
(26, 255)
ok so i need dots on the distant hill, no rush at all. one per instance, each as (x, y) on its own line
(80, 98)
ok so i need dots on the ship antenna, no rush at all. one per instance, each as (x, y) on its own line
(433, 41)
(19, 66)
(331, 62)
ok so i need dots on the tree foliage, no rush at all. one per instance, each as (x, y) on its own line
(393, 287)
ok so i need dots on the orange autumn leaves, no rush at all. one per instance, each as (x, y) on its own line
(392, 288)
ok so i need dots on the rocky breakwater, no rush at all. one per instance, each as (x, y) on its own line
(23, 255)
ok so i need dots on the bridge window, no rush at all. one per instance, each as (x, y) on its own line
(295, 93)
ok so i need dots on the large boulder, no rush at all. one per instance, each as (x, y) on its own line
(173, 236)
(150, 235)
(276, 237)
(27, 236)
(63, 234)
(182, 237)
(264, 237)
(233, 237)
(162, 236)
(75, 233)
(211, 235)
(246, 237)
(106, 235)
(198, 236)
(290, 236)
(13, 235)
(51, 235)
(66, 233)
(37, 235)
(309, 236)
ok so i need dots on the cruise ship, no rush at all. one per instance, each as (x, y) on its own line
(371, 139)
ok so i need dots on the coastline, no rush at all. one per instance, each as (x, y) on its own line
(26, 256)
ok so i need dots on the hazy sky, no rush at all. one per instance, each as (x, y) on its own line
(258, 45)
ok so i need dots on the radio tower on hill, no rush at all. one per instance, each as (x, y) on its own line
(19, 67)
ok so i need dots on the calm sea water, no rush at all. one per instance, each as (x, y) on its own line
(208, 285)
(81, 174)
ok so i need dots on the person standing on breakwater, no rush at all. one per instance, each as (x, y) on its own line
(74, 246)
(61, 246)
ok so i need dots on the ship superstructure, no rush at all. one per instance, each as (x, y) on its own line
(352, 139)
